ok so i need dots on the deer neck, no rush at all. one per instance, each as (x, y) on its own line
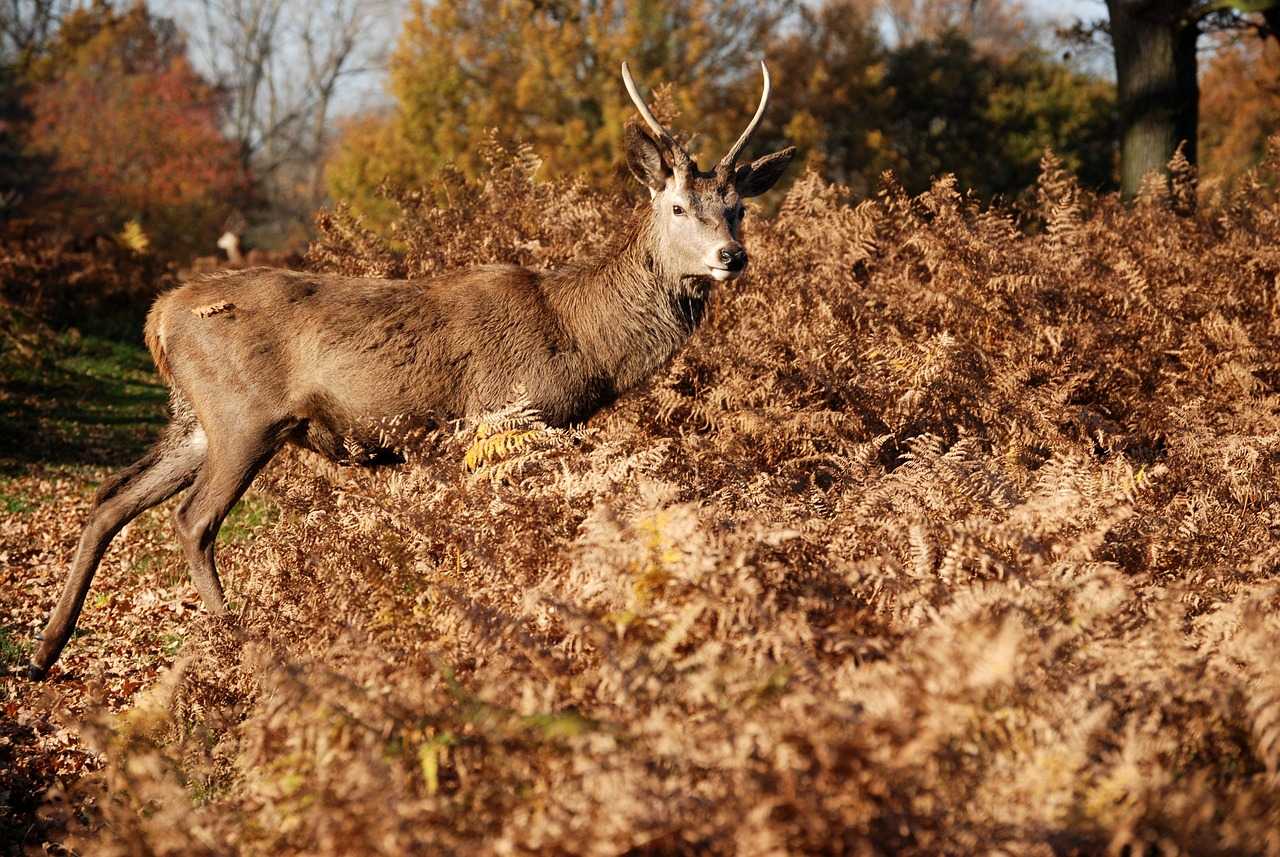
(624, 310)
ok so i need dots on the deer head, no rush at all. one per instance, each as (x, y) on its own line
(697, 215)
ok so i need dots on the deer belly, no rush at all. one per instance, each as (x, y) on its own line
(371, 434)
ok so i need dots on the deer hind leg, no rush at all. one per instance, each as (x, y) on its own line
(232, 464)
(170, 466)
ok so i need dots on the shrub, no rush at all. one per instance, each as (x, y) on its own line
(60, 278)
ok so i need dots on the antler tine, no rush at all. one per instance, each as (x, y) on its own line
(731, 157)
(642, 107)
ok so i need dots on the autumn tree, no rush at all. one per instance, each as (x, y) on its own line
(1239, 105)
(26, 28)
(832, 98)
(131, 131)
(992, 130)
(546, 72)
(937, 103)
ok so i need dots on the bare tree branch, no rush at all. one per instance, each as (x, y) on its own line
(281, 64)
(26, 25)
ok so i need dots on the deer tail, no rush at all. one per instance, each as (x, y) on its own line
(153, 332)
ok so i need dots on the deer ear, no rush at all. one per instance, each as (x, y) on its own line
(763, 173)
(646, 159)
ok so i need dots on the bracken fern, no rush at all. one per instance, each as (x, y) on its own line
(952, 531)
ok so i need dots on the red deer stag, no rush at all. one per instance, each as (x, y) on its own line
(258, 358)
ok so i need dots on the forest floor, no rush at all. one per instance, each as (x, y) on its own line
(65, 423)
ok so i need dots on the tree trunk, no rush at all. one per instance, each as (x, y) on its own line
(1272, 17)
(1158, 95)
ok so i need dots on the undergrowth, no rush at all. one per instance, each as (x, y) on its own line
(953, 531)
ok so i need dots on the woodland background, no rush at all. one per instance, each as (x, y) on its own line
(953, 531)
(258, 112)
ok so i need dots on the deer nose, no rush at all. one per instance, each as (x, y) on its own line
(733, 257)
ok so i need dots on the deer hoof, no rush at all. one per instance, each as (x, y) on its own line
(36, 673)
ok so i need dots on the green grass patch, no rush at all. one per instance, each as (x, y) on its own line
(15, 499)
(253, 512)
(14, 650)
(15, 504)
(89, 401)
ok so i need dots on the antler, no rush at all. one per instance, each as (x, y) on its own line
(642, 107)
(731, 158)
(679, 155)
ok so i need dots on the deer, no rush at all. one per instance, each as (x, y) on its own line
(254, 257)
(260, 358)
(229, 243)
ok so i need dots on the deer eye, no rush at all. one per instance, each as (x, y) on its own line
(677, 211)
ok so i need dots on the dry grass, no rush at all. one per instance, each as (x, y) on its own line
(952, 532)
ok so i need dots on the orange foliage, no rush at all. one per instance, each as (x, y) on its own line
(132, 131)
(1239, 106)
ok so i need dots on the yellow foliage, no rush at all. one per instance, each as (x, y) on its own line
(134, 238)
(492, 446)
(944, 536)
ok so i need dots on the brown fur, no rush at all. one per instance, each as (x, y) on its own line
(262, 357)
